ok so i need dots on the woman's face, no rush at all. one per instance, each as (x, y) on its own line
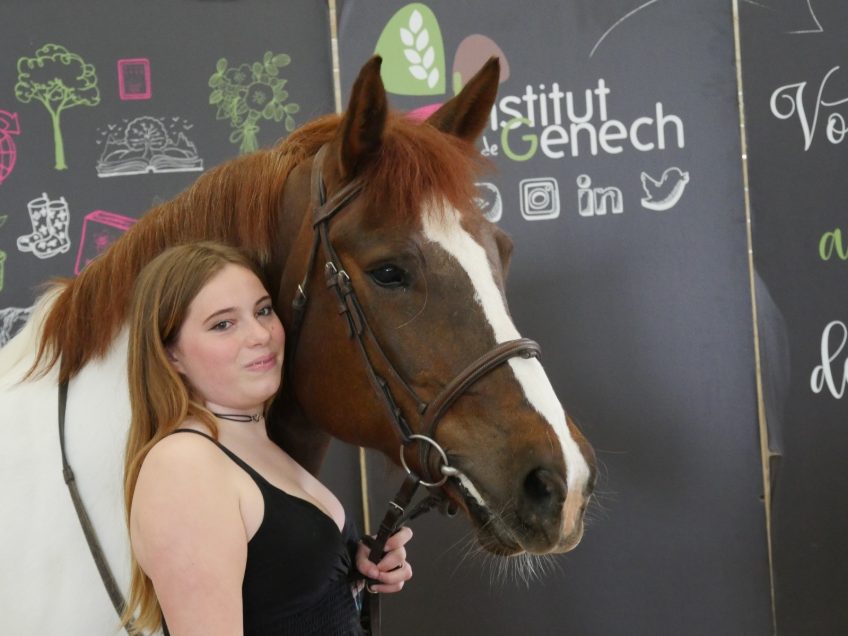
(230, 346)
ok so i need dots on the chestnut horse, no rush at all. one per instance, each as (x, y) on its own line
(428, 271)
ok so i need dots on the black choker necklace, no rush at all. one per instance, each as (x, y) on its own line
(238, 417)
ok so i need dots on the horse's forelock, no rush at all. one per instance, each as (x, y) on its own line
(418, 165)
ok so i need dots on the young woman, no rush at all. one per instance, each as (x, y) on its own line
(229, 534)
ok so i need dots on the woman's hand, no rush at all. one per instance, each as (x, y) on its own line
(392, 571)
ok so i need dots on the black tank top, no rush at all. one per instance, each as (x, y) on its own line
(296, 580)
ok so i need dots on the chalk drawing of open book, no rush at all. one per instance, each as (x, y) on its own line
(146, 145)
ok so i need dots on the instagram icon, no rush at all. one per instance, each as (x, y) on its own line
(539, 198)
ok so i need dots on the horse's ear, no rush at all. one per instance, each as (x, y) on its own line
(363, 123)
(465, 115)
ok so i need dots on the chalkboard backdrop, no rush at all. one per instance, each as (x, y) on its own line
(617, 168)
(796, 101)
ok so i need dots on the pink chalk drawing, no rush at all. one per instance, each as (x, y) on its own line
(423, 112)
(99, 230)
(134, 78)
(9, 126)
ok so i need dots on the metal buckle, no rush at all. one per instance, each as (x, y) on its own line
(446, 469)
(299, 298)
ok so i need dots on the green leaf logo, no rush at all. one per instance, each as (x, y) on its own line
(413, 53)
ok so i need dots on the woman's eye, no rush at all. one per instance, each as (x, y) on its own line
(388, 276)
(265, 311)
(221, 326)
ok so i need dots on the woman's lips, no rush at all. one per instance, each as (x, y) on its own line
(263, 364)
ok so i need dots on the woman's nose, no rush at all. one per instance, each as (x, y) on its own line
(259, 333)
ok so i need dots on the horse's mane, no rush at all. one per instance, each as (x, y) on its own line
(237, 203)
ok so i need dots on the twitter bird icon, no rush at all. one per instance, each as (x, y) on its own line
(665, 193)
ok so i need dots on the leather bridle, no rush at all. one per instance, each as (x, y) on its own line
(429, 414)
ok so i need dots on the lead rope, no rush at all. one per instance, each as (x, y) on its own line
(94, 545)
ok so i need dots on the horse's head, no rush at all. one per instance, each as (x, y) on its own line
(428, 271)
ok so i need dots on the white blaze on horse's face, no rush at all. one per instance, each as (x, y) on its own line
(443, 227)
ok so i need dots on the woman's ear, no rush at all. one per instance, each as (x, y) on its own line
(172, 358)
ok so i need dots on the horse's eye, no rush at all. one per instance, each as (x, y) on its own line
(388, 276)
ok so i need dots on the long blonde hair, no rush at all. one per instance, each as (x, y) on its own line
(159, 398)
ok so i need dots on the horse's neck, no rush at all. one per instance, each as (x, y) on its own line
(288, 428)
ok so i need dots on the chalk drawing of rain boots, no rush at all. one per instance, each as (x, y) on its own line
(38, 216)
(58, 218)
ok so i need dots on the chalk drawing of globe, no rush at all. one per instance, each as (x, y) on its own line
(8, 155)
(8, 151)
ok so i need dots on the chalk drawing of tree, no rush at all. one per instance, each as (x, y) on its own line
(59, 80)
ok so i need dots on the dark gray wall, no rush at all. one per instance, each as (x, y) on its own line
(645, 322)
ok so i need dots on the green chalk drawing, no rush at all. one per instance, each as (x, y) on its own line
(60, 80)
(248, 93)
(413, 53)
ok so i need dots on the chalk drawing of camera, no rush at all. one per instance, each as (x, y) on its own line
(539, 198)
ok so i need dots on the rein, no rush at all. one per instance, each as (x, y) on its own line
(430, 414)
(91, 538)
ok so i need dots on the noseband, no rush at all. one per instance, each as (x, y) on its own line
(429, 413)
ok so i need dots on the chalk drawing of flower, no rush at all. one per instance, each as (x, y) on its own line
(248, 93)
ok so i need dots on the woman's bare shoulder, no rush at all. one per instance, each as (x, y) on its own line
(183, 468)
(184, 451)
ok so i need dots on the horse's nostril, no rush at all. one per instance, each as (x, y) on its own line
(544, 487)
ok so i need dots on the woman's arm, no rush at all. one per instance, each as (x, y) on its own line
(188, 535)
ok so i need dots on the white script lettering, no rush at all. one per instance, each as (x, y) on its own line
(823, 374)
(835, 129)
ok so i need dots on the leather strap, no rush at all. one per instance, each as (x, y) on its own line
(483, 365)
(94, 545)
(398, 513)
